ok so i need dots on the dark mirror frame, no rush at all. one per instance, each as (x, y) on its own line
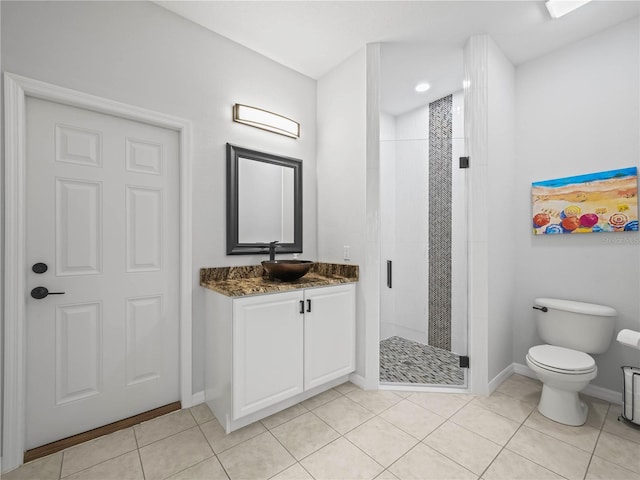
(234, 247)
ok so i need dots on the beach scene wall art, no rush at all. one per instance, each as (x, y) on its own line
(590, 203)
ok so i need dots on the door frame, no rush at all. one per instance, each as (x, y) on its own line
(16, 91)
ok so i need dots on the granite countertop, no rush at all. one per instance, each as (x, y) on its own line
(253, 280)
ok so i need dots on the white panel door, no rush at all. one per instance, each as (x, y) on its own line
(103, 215)
(329, 334)
(267, 350)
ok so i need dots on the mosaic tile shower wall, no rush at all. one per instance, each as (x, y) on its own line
(440, 152)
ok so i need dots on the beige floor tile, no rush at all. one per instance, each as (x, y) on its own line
(304, 435)
(320, 399)
(46, 468)
(97, 451)
(202, 413)
(375, 401)
(343, 414)
(486, 423)
(597, 411)
(381, 441)
(163, 427)
(174, 454)
(600, 469)
(284, 416)
(553, 454)
(220, 441)
(345, 388)
(521, 387)
(443, 404)
(294, 472)
(210, 469)
(619, 450)
(413, 419)
(386, 475)
(258, 458)
(507, 406)
(620, 427)
(464, 447)
(341, 460)
(402, 393)
(584, 437)
(424, 463)
(511, 466)
(124, 467)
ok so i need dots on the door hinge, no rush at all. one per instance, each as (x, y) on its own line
(464, 361)
(464, 162)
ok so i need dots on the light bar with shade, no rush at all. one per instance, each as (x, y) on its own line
(259, 118)
(558, 8)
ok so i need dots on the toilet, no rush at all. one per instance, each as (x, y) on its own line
(572, 330)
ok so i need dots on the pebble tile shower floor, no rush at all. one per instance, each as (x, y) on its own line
(405, 361)
(347, 433)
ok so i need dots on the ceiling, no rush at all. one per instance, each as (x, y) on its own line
(312, 37)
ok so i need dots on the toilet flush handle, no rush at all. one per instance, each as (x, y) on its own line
(544, 309)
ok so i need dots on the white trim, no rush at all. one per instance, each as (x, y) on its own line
(601, 393)
(358, 381)
(16, 90)
(197, 398)
(501, 377)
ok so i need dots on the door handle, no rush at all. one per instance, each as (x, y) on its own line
(389, 273)
(43, 292)
(308, 304)
(301, 306)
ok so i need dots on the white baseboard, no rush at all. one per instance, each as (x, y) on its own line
(601, 393)
(501, 377)
(198, 398)
(358, 381)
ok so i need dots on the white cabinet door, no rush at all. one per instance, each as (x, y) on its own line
(329, 336)
(268, 358)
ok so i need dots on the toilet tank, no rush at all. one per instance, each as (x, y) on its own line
(586, 327)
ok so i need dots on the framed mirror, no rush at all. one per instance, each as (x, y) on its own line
(264, 202)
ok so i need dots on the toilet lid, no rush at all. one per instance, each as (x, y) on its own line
(560, 358)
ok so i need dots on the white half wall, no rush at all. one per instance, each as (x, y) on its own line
(342, 172)
(500, 194)
(578, 111)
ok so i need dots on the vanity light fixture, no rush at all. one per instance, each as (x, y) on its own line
(422, 87)
(259, 118)
(558, 8)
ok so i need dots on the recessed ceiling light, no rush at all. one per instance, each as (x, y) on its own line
(422, 87)
(558, 8)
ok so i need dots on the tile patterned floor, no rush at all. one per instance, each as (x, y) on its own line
(405, 361)
(347, 433)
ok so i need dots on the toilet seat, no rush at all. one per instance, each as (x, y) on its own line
(561, 360)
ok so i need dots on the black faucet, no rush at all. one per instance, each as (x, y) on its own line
(272, 250)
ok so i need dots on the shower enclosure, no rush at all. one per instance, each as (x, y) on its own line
(423, 219)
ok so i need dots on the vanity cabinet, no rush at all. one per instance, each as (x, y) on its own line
(267, 352)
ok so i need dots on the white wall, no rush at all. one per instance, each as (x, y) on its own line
(500, 195)
(341, 158)
(141, 54)
(578, 111)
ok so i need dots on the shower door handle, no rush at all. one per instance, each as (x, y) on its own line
(389, 273)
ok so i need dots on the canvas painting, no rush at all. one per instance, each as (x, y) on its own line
(590, 203)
